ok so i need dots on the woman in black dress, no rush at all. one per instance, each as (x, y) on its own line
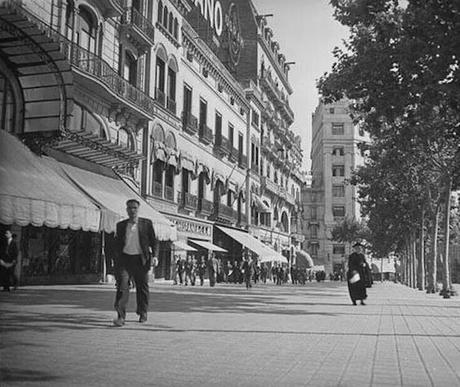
(356, 274)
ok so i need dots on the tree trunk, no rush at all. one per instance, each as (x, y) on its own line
(446, 285)
(422, 253)
(432, 276)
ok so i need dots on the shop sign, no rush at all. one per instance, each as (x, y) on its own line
(212, 12)
(190, 227)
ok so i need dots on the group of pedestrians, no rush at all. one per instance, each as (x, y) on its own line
(135, 240)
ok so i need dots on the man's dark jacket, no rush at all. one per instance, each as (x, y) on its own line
(146, 238)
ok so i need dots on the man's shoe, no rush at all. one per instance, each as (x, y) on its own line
(118, 322)
(143, 318)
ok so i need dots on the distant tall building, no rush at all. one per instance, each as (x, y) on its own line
(330, 199)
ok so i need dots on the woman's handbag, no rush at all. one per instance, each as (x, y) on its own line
(354, 278)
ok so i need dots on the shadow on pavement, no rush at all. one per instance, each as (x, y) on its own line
(23, 375)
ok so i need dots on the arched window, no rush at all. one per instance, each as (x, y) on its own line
(284, 222)
(170, 23)
(88, 30)
(171, 141)
(176, 29)
(124, 138)
(157, 178)
(165, 16)
(160, 12)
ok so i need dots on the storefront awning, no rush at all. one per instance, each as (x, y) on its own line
(261, 206)
(304, 259)
(180, 245)
(31, 192)
(265, 253)
(208, 245)
(111, 194)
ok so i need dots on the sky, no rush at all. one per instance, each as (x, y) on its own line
(307, 34)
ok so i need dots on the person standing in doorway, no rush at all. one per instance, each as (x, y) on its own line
(134, 236)
(8, 261)
(356, 273)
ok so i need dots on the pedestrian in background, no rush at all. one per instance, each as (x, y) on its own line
(133, 236)
(248, 271)
(8, 260)
(212, 268)
(356, 274)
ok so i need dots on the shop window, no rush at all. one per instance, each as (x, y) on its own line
(52, 251)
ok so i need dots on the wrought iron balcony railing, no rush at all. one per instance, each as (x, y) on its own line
(205, 207)
(140, 27)
(221, 145)
(190, 123)
(205, 134)
(171, 106)
(187, 201)
(169, 193)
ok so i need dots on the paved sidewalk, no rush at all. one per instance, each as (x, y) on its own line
(227, 336)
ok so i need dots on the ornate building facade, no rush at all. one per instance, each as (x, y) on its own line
(183, 102)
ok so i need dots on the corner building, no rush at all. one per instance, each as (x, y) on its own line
(185, 103)
(330, 198)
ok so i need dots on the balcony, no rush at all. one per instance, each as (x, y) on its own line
(160, 97)
(187, 201)
(272, 90)
(234, 153)
(242, 161)
(190, 123)
(111, 8)
(171, 106)
(205, 134)
(139, 29)
(205, 207)
(224, 213)
(157, 189)
(169, 193)
(221, 145)
(243, 220)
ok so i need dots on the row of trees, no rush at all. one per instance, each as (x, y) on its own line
(400, 70)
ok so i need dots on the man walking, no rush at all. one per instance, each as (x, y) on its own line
(134, 236)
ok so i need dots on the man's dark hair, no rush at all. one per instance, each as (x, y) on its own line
(133, 201)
